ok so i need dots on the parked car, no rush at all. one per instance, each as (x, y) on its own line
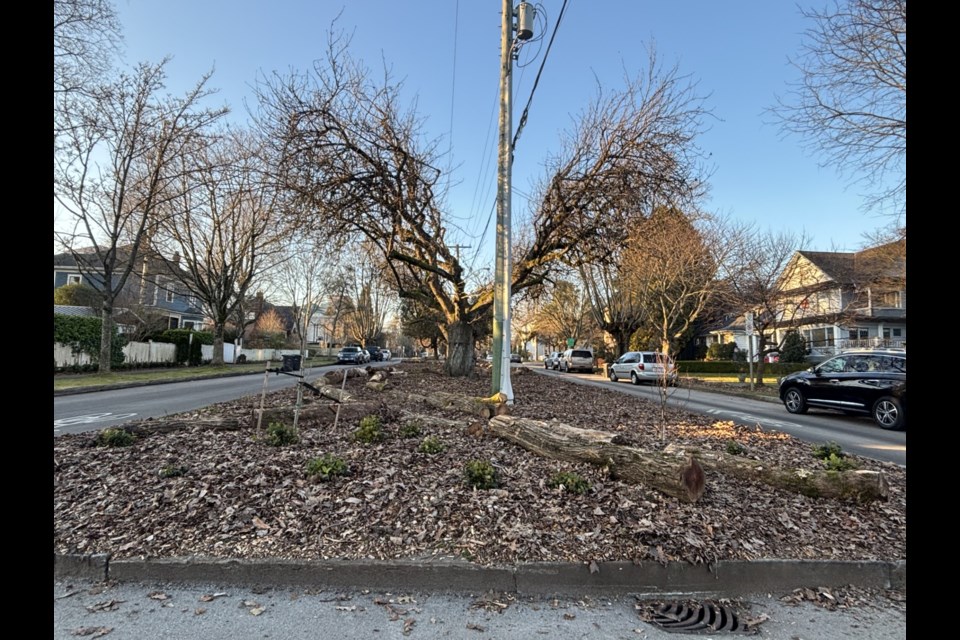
(552, 361)
(374, 352)
(643, 366)
(577, 360)
(352, 355)
(861, 382)
(366, 355)
(386, 355)
(515, 357)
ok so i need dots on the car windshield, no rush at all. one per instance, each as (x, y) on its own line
(350, 349)
(581, 354)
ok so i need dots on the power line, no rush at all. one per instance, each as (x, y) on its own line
(526, 109)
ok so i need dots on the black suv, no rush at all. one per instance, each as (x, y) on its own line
(871, 382)
(375, 353)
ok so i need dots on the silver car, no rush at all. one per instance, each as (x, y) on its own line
(552, 361)
(643, 366)
(577, 360)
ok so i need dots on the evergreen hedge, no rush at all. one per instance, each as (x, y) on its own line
(83, 336)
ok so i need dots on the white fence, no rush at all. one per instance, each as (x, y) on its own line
(133, 352)
(158, 352)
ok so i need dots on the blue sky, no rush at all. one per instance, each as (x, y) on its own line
(447, 54)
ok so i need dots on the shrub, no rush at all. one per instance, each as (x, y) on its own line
(325, 467)
(279, 434)
(794, 348)
(721, 351)
(173, 471)
(839, 463)
(734, 448)
(189, 350)
(480, 474)
(410, 430)
(570, 482)
(82, 335)
(431, 445)
(369, 430)
(828, 449)
(115, 437)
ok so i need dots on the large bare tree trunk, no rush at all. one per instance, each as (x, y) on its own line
(460, 342)
(106, 339)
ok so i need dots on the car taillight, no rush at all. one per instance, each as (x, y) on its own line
(640, 367)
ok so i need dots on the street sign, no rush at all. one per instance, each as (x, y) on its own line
(570, 343)
(749, 323)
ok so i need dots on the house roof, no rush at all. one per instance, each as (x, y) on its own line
(880, 262)
(72, 310)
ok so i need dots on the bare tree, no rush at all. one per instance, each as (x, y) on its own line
(850, 103)
(225, 225)
(117, 168)
(372, 299)
(306, 279)
(563, 313)
(86, 35)
(349, 149)
(674, 265)
(764, 263)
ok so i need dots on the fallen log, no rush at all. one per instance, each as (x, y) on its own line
(563, 442)
(169, 425)
(484, 407)
(674, 472)
(336, 376)
(856, 484)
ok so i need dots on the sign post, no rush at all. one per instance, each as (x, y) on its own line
(749, 329)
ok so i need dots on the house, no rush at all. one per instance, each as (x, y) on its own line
(151, 295)
(836, 300)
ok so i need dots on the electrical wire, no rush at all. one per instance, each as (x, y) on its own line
(526, 109)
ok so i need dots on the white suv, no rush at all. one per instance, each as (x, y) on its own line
(577, 360)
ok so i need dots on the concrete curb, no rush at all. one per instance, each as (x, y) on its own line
(724, 579)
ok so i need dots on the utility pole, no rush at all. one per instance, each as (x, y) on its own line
(503, 268)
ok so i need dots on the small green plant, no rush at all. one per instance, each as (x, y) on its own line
(279, 434)
(431, 445)
(570, 482)
(480, 474)
(410, 430)
(839, 463)
(115, 437)
(369, 430)
(173, 471)
(734, 448)
(326, 467)
(827, 450)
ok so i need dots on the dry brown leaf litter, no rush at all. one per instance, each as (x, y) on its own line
(242, 498)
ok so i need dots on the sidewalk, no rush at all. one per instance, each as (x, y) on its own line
(231, 599)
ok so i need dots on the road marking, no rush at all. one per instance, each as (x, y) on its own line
(89, 419)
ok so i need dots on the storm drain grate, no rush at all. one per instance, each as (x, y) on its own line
(681, 617)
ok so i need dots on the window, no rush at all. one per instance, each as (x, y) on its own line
(174, 323)
(187, 324)
(170, 295)
(887, 299)
(859, 333)
(73, 279)
(898, 333)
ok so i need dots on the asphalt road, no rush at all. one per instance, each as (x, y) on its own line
(860, 436)
(856, 435)
(213, 612)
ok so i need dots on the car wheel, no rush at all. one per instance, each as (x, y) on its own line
(888, 413)
(564, 368)
(634, 378)
(794, 401)
(613, 376)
